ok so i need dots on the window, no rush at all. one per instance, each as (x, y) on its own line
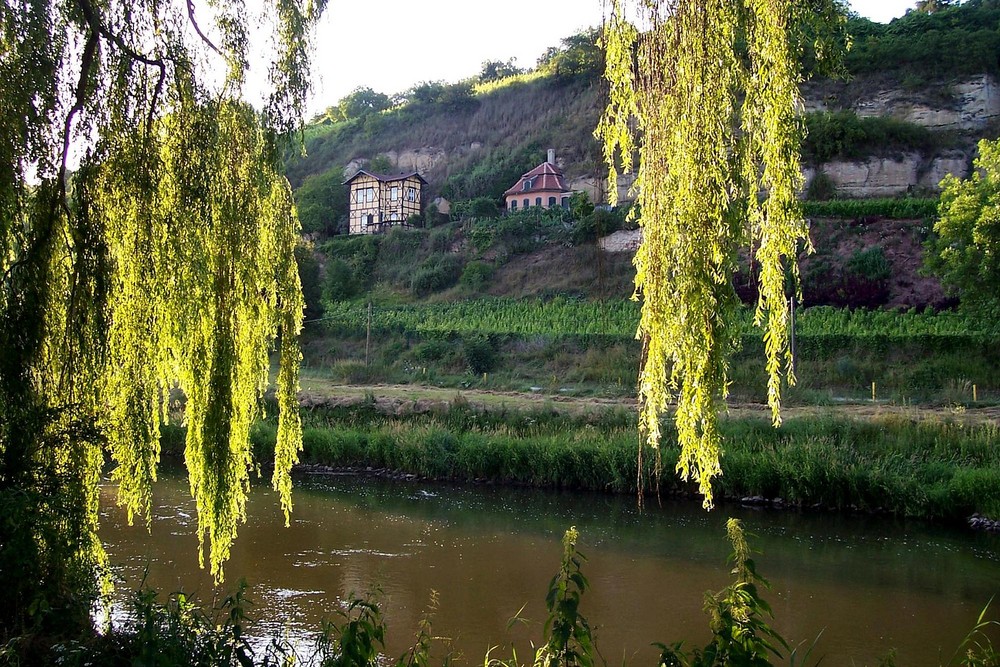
(370, 219)
(526, 204)
(513, 204)
(366, 195)
(394, 193)
(538, 201)
(526, 185)
(552, 202)
(394, 217)
(565, 202)
(411, 194)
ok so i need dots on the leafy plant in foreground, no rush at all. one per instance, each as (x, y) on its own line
(570, 641)
(740, 634)
(360, 637)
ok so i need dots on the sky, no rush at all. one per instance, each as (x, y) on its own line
(390, 45)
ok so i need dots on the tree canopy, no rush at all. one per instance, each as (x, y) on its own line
(965, 248)
(146, 247)
(706, 94)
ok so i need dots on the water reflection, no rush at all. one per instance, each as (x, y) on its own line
(869, 584)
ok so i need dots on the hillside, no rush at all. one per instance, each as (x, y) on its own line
(916, 96)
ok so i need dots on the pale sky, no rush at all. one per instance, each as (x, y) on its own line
(389, 45)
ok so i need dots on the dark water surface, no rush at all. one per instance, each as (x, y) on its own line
(870, 585)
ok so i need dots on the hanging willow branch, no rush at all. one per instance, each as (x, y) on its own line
(707, 94)
(164, 262)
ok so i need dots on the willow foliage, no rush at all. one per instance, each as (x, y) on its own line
(146, 247)
(706, 93)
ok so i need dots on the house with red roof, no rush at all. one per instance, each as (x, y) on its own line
(542, 187)
(379, 202)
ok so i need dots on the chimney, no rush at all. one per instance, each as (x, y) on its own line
(552, 156)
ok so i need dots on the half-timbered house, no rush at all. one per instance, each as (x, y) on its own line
(543, 187)
(379, 202)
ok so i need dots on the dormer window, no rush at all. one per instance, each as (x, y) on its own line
(527, 185)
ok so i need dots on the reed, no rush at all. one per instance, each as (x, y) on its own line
(932, 469)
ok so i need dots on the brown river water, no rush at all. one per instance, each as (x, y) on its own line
(869, 585)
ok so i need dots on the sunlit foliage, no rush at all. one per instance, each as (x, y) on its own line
(965, 248)
(706, 92)
(146, 246)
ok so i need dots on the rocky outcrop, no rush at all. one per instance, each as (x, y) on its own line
(971, 107)
(893, 176)
(421, 160)
(625, 240)
(597, 188)
(956, 163)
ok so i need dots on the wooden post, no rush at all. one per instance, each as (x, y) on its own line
(873, 392)
(975, 397)
(368, 334)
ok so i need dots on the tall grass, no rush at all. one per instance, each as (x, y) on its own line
(918, 468)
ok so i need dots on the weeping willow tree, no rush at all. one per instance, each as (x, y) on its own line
(146, 247)
(705, 92)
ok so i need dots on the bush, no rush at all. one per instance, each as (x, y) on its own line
(845, 135)
(821, 187)
(592, 227)
(480, 355)
(435, 274)
(476, 274)
(580, 205)
(360, 253)
(309, 276)
(432, 350)
(339, 283)
(480, 208)
(322, 202)
(870, 264)
(900, 208)
(441, 240)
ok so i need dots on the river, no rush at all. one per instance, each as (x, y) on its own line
(868, 584)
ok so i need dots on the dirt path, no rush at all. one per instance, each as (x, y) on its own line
(398, 399)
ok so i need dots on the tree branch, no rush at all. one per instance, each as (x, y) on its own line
(94, 21)
(197, 28)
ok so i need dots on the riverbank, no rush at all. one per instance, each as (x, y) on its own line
(908, 464)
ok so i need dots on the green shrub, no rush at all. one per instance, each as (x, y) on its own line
(309, 277)
(821, 187)
(595, 225)
(436, 273)
(845, 135)
(432, 350)
(441, 239)
(321, 202)
(870, 264)
(480, 354)
(480, 208)
(339, 283)
(903, 208)
(476, 274)
(360, 253)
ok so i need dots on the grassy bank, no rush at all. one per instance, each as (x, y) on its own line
(931, 469)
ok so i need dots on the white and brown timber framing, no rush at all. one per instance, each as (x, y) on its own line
(379, 202)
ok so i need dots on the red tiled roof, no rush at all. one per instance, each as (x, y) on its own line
(546, 177)
(387, 178)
